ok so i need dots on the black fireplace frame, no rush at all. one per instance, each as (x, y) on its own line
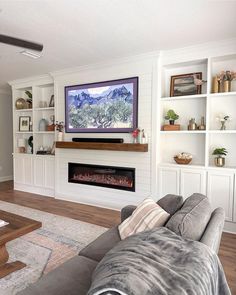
(132, 189)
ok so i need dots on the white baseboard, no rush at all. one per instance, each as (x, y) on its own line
(34, 190)
(230, 227)
(6, 178)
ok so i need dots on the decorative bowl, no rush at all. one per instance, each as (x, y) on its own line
(182, 161)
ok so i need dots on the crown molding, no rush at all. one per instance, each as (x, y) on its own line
(203, 50)
(107, 63)
(32, 80)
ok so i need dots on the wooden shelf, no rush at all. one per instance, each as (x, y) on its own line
(128, 147)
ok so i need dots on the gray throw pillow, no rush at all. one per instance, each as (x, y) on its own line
(191, 220)
(171, 203)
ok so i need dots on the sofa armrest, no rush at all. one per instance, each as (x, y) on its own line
(127, 211)
(212, 234)
(104, 243)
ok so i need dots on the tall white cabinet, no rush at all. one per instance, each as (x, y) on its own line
(33, 172)
(201, 175)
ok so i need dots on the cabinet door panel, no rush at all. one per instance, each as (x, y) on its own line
(39, 172)
(18, 170)
(192, 181)
(27, 167)
(169, 181)
(220, 187)
(49, 173)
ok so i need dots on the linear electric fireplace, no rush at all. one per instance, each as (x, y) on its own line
(121, 178)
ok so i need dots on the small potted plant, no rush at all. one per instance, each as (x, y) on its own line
(220, 153)
(171, 116)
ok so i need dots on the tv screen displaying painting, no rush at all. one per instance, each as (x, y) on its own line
(109, 106)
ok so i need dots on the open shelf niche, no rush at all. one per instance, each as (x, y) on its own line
(172, 144)
(182, 68)
(186, 109)
(41, 96)
(210, 105)
(226, 141)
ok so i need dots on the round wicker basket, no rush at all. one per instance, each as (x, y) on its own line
(182, 161)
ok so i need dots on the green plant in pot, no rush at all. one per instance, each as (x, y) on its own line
(220, 153)
(171, 116)
(29, 99)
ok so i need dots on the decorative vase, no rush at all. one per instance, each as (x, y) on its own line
(60, 136)
(223, 127)
(20, 104)
(135, 139)
(215, 85)
(172, 122)
(219, 161)
(227, 86)
(221, 86)
(43, 125)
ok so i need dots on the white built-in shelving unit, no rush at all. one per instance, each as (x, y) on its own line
(201, 175)
(33, 172)
(199, 143)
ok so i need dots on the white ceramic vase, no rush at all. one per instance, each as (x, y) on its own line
(60, 136)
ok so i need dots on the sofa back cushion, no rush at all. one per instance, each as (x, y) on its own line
(191, 220)
(171, 203)
(146, 216)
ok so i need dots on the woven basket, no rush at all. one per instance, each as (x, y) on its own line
(182, 161)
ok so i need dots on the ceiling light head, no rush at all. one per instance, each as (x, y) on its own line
(31, 54)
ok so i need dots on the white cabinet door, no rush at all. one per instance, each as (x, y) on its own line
(192, 181)
(18, 169)
(23, 170)
(169, 181)
(220, 189)
(39, 172)
(49, 173)
(28, 170)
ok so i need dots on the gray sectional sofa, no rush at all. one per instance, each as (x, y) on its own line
(74, 276)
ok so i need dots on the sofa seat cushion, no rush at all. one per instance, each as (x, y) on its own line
(71, 278)
(104, 243)
(146, 216)
(191, 220)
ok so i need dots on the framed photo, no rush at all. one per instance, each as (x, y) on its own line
(24, 123)
(101, 107)
(181, 85)
(51, 103)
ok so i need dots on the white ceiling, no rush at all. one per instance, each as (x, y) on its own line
(82, 32)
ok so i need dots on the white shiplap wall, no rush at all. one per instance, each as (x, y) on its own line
(145, 67)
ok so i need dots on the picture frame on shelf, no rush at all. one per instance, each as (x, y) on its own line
(24, 123)
(51, 103)
(181, 85)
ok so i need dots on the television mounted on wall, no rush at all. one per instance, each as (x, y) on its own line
(110, 106)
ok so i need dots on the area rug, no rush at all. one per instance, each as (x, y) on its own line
(42, 250)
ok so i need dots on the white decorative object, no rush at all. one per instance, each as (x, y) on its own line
(43, 125)
(60, 136)
(22, 145)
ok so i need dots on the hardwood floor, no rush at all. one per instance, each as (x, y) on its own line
(107, 218)
(91, 214)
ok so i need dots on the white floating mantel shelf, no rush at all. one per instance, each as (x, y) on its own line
(128, 147)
